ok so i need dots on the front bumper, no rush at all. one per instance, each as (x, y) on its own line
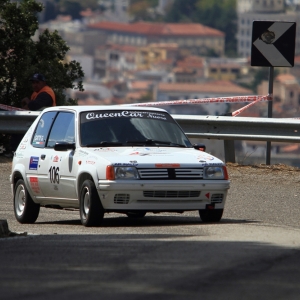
(153, 195)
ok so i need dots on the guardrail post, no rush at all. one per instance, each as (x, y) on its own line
(270, 113)
(229, 151)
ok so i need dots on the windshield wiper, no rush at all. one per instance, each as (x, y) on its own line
(104, 143)
(154, 142)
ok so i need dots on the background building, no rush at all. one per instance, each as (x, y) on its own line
(192, 37)
(262, 10)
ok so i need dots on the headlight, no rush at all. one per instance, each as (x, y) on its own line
(126, 173)
(213, 173)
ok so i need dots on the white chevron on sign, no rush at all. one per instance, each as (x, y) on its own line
(269, 51)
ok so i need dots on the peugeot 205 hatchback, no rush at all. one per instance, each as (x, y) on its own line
(123, 159)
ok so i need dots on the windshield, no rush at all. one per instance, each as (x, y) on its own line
(130, 127)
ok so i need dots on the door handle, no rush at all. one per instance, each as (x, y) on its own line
(43, 156)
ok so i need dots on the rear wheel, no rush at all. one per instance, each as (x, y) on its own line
(26, 211)
(91, 210)
(210, 215)
(136, 214)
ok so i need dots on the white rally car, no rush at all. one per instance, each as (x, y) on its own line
(124, 159)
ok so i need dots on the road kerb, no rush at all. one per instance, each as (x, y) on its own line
(5, 232)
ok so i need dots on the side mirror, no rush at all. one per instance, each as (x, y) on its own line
(200, 147)
(63, 146)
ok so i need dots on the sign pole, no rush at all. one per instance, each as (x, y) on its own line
(270, 112)
(273, 45)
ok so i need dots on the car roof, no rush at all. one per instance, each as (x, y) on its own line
(82, 108)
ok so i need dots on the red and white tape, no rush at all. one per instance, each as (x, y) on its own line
(236, 99)
(238, 111)
(10, 108)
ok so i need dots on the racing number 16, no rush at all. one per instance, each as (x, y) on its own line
(54, 174)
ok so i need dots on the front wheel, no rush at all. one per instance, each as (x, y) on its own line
(91, 210)
(210, 215)
(26, 211)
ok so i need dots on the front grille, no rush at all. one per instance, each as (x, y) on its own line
(121, 198)
(171, 173)
(153, 173)
(217, 198)
(171, 194)
(170, 201)
(189, 173)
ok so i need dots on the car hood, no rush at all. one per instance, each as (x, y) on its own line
(150, 156)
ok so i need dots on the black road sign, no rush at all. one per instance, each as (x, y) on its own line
(273, 44)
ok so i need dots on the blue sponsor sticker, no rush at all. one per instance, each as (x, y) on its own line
(33, 163)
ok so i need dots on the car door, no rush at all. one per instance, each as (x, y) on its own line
(59, 170)
(37, 154)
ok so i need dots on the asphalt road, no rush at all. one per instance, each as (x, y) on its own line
(253, 253)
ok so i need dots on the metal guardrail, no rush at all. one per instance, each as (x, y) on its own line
(15, 122)
(203, 127)
(240, 128)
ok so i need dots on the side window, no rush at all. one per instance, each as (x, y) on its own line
(63, 129)
(42, 129)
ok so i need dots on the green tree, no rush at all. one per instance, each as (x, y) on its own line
(21, 55)
(143, 9)
(71, 8)
(50, 11)
(74, 7)
(220, 15)
(182, 11)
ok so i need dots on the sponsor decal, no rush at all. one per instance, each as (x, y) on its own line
(19, 155)
(41, 123)
(82, 153)
(148, 151)
(130, 164)
(139, 153)
(38, 138)
(34, 184)
(90, 162)
(167, 165)
(211, 165)
(33, 162)
(205, 157)
(127, 114)
(55, 158)
(153, 150)
(133, 162)
(106, 149)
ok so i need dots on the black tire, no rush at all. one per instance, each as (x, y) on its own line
(26, 211)
(91, 210)
(136, 214)
(210, 215)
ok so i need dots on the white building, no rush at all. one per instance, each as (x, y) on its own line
(261, 10)
(87, 64)
(261, 6)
